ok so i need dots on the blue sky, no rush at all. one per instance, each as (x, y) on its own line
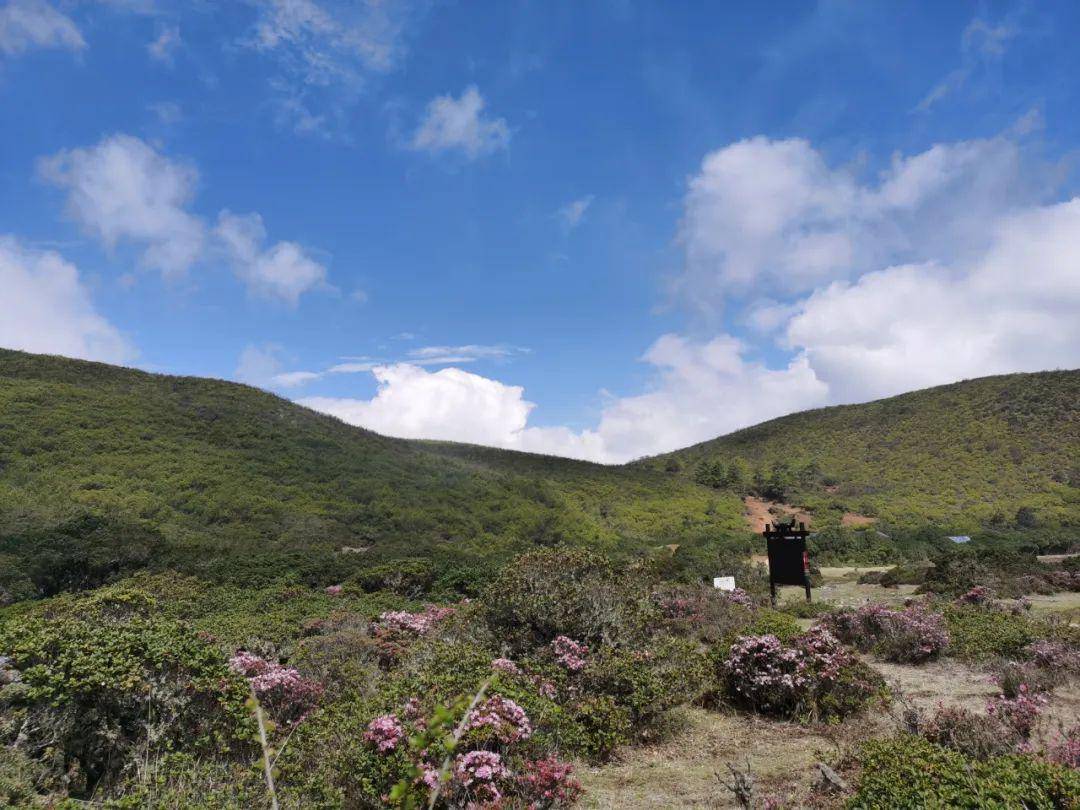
(596, 229)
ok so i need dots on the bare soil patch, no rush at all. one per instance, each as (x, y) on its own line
(854, 520)
(760, 512)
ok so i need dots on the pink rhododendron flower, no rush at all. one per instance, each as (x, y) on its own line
(286, 694)
(505, 665)
(571, 654)
(504, 717)
(385, 732)
(547, 783)
(1021, 712)
(478, 772)
(418, 623)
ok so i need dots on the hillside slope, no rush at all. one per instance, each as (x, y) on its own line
(222, 467)
(997, 451)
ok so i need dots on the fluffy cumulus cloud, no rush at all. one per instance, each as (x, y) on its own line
(46, 308)
(282, 271)
(702, 390)
(32, 24)
(459, 125)
(774, 216)
(1016, 307)
(447, 404)
(122, 189)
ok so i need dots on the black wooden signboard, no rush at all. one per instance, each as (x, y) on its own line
(789, 563)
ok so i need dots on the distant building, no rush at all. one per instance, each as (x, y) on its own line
(960, 538)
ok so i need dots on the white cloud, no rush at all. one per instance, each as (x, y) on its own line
(167, 112)
(446, 404)
(262, 366)
(163, 49)
(451, 124)
(283, 271)
(774, 215)
(981, 44)
(571, 214)
(1014, 308)
(123, 189)
(292, 379)
(326, 51)
(46, 308)
(444, 355)
(703, 390)
(29, 24)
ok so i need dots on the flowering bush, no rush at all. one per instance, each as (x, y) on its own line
(769, 677)
(385, 732)
(283, 691)
(702, 612)
(1053, 655)
(504, 719)
(977, 595)
(505, 665)
(547, 783)
(569, 653)
(1066, 750)
(811, 676)
(1019, 713)
(419, 624)
(478, 774)
(739, 597)
(909, 636)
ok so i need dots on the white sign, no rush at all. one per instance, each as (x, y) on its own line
(724, 583)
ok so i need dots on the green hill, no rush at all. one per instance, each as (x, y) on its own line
(104, 470)
(191, 470)
(998, 452)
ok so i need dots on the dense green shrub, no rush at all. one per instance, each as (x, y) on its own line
(602, 725)
(650, 681)
(769, 622)
(911, 772)
(563, 591)
(21, 778)
(404, 577)
(103, 682)
(76, 555)
(979, 632)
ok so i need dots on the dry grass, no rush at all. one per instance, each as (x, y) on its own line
(681, 772)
